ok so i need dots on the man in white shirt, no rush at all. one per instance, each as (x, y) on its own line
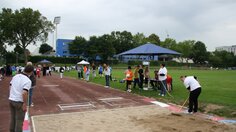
(192, 84)
(162, 75)
(107, 73)
(19, 87)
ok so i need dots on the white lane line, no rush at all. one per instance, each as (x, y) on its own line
(160, 103)
(106, 99)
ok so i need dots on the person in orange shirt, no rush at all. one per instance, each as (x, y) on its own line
(129, 79)
(85, 69)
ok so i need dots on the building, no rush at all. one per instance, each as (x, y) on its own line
(231, 49)
(62, 48)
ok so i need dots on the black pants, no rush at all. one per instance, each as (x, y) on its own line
(141, 83)
(136, 81)
(193, 100)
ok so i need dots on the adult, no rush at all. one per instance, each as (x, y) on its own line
(79, 69)
(154, 82)
(141, 76)
(100, 70)
(110, 72)
(162, 75)
(94, 70)
(19, 87)
(129, 79)
(192, 84)
(33, 84)
(87, 73)
(107, 73)
(136, 77)
(61, 71)
(146, 76)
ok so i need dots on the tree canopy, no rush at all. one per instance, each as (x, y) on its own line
(44, 48)
(199, 53)
(24, 27)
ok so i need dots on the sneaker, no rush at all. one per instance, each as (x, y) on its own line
(129, 90)
(162, 95)
(32, 105)
(186, 112)
(159, 94)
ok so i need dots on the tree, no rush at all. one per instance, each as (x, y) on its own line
(199, 53)
(153, 38)
(122, 41)
(105, 47)
(78, 46)
(45, 48)
(222, 59)
(169, 43)
(139, 39)
(24, 27)
(185, 48)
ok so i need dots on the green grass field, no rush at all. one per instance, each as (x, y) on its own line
(218, 87)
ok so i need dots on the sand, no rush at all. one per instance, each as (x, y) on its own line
(130, 119)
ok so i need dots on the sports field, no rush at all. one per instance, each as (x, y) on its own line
(218, 88)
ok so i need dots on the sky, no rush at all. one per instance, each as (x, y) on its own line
(211, 21)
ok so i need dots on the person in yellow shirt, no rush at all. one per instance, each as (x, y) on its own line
(136, 77)
(129, 79)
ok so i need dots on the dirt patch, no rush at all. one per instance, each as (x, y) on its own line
(182, 123)
(211, 107)
(132, 119)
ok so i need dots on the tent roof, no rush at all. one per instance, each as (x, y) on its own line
(44, 61)
(149, 49)
(83, 62)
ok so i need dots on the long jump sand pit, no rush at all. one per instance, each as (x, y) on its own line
(130, 119)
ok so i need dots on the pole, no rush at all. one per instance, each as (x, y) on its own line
(55, 44)
(183, 104)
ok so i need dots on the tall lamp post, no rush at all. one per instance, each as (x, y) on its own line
(56, 21)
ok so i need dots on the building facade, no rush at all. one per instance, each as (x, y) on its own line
(62, 48)
(231, 49)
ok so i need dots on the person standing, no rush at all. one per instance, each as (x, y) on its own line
(107, 73)
(141, 76)
(79, 69)
(192, 84)
(100, 70)
(33, 84)
(61, 71)
(19, 87)
(110, 72)
(38, 70)
(129, 79)
(136, 78)
(87, 73)
(162, 75)
(94, 70)
(146, 76)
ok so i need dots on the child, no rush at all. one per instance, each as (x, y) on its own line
(129, 79)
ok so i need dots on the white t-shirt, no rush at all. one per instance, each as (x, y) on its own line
(191, 82)
(18, 83)
(162, 71)
(107, 71)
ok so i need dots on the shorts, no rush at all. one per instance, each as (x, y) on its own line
(128, 82)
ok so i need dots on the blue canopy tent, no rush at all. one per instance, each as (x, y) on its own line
(149, 49)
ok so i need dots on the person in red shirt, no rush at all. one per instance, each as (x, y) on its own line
(169, 82)
(38, 70)
(129, 79)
